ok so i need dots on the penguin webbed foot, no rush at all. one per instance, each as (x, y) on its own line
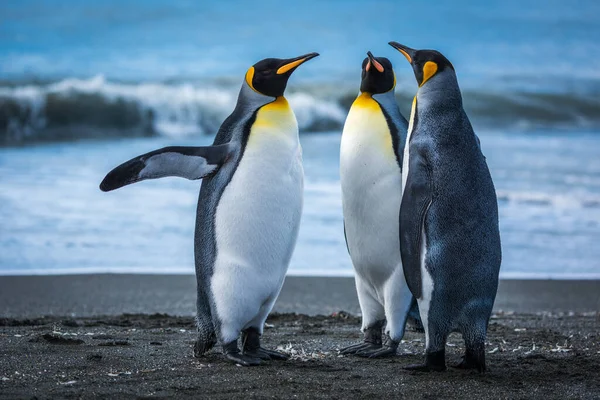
(360, 347)
(418, 368)
(266, 354)
(252, 347)
(387, 349)
(371, 341)
(233, 354)
(434, 361)
(377, 353)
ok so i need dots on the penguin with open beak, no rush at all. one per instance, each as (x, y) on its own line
(371, 177)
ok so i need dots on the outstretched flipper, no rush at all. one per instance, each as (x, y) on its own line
(185, 162)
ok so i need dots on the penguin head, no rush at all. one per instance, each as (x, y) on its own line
(269, 76)
(426, 63)
(377, 75)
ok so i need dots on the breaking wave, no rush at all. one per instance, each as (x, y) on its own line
(556, 201)
(73, 109)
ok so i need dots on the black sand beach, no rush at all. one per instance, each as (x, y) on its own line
(114, 294)
(68, 337)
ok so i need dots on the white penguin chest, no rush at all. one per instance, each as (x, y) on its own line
(371, 188)
(258, 215)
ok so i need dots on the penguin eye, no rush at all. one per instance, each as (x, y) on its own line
(266, 72)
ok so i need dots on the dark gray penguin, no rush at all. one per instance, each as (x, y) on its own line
(450, 240)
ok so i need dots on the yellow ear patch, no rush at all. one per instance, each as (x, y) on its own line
(250, 77)
(287, 67)
(429, 70)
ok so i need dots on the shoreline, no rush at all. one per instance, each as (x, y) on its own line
(116, 294)
(301, 273)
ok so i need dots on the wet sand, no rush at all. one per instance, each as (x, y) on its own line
(111, 294)
(82, 352)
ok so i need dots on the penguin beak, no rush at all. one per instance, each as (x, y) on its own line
(373, 62)
(406, 51)
(291, 63)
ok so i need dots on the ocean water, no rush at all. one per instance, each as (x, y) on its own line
(86, 85)
(76, 69)
(54, 219)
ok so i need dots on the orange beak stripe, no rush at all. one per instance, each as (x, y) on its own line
(408, 57)
(287, 67)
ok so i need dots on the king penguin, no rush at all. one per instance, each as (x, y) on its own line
(248, 211)
(450, 240)
(371, 179)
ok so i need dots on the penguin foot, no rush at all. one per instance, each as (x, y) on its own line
(372, 340)
(377, 353)
(232, 353)
(266, 354)
(364, 346)
(435, 361)
(418, 368)
(425, 368)
(243, 360)
(387, 349)
(252, 347)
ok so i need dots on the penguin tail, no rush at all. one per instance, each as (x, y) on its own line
(474, 334)
(474, 357)
(201, 346)
(414, 317)
(207, 337)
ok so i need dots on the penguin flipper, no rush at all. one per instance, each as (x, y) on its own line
(479, 146)
(346, 238)
(185, 162)
(416, 199)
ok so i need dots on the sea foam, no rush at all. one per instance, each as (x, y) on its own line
(75, 108)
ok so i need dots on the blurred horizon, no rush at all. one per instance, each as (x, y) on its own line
(73, 70)
(185, 39)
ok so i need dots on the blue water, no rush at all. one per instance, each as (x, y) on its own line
(549, 42)
(117, 70)
(55, 219)
(177, 65)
